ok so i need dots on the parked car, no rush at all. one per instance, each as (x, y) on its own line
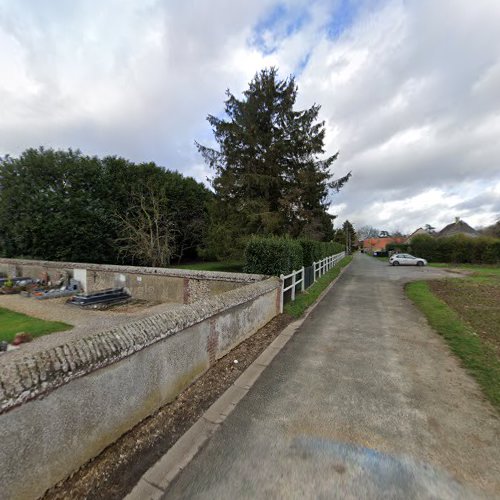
(405, 259)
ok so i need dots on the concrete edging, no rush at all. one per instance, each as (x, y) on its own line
(155, 481)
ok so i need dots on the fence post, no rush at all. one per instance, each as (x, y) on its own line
(293, 286)
(282, 295)
(303, 287)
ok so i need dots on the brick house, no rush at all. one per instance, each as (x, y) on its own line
(371, 245)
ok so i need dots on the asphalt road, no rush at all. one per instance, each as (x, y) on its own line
(365, 401)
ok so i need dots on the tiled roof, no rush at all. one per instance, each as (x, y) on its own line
(457, 227)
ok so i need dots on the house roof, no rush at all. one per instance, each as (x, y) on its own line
(380, 243)
(457, 227)
(418, 231)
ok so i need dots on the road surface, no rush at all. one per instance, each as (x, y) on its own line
(365, 401)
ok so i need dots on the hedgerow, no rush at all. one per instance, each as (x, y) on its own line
(275, 256)
(457, 249)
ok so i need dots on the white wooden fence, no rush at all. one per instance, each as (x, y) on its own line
(298, 277)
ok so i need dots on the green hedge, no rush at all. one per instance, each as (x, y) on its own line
(457, 249)
(272, 256)
(275, 256)
(400, 247)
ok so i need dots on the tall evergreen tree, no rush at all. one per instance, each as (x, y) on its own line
(268, 178)
(349, 233)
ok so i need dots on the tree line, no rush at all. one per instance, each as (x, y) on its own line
(270, 178)
(67, 206)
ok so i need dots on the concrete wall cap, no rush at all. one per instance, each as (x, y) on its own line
(158, 271)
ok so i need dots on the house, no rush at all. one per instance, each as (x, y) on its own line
(372, 245)
(417, 232)
(458, 227)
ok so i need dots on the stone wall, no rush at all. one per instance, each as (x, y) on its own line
(148, 283)
(60, 407)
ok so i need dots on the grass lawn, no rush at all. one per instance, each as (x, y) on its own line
(230, 267)
(12, 322)
(305, 299)
(477, 269)
(466, 312)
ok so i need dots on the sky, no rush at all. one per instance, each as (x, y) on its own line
(409, 90)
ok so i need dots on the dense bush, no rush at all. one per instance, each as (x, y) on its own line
(317, 250)
(330, 248)
(277, 256)
(457, 249)
(64, 205)
(311, 251)
(398, 247)
(273, 256)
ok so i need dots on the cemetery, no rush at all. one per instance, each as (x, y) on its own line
(89, 385)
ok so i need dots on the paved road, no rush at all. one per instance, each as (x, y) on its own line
(365, 401)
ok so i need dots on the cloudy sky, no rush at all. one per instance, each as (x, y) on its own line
(409, 89)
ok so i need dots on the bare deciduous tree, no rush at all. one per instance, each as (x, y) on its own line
(148, 233)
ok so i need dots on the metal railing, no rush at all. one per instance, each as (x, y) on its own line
(298, 277)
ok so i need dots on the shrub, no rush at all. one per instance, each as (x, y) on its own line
(311, 251)
(330, 248)
(398, 247)
(491, 251)
(273, 256)
(424, 246)
(457, 249)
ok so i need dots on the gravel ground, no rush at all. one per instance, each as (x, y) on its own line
(84, 321)
(117, 469)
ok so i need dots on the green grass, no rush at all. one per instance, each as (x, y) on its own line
(231, 267)
(477, 357)
(478, 269)
(12, 322)
(305, 299)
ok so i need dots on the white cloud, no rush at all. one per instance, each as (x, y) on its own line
(408, 89)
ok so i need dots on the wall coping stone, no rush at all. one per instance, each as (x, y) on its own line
(158, 271)
(35, 375)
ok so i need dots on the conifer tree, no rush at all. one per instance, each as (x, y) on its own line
(268, 177)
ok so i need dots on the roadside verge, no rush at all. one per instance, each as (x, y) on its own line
(477, 357)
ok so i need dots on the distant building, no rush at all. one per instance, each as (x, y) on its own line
(372, 245)
(458, 227)
(418, 232)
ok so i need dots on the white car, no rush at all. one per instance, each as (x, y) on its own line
(405, 259)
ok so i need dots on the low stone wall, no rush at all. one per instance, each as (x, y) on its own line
(155, 284)
(62, 406)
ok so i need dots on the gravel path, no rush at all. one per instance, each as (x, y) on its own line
(84, 321)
